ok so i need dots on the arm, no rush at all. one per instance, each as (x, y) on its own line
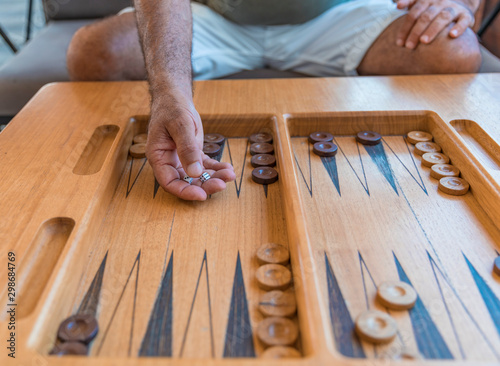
(427, 18)
(175, 135)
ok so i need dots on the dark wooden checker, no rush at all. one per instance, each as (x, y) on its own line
(93, 232)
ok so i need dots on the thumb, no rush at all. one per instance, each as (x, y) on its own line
(188, 148)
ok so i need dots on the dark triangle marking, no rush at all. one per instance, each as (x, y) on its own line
(490, 300)
(238, 188)
(486, 339)
(203, 264)
(429, 340)
(364, 267)
(239, 337)
(346, 340)
(496, 251)
(212, 340)
(134, 305)
(365, 185)
(219, 155)
(218, 158)
(421, 184)
(157, 186)
(265, 189)
(379, 157)
(427, 238)
(362, 264)
(130, 175)
(457, 338)
(168, 242)
(136, 262)
(309, 186)
(136, 177)
(330, 164)
(158, 338)
(91, 300)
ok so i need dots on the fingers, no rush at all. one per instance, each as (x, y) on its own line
(170, 180)
(403, 4)
(410, 20)
(224, 171)
(189, 149)
(464, 21)
(439, 22)
(422, 23)
(211, 186)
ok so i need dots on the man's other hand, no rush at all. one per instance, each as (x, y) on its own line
(175, 149)
(427, 18)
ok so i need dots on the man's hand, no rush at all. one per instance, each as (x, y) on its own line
(427, 18)
(175, 134)
(175, 140)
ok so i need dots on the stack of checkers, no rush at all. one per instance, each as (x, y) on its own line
(322, 144)
(379, 327)
(263, 159)
(74, 335)
(278, 331)
(439, 163)
(212, 144)
(138, 149)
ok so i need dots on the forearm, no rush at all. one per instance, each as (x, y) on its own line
(165, 30)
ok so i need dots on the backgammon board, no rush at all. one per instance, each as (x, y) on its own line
(86, 229)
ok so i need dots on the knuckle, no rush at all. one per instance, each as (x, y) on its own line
(449, 11)
(444, 15)
(411, 16)
(426, 18)
(187, 149)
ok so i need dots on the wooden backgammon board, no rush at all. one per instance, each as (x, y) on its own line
(86, 231)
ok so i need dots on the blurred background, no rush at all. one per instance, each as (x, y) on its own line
(35, 34)
(14, 21)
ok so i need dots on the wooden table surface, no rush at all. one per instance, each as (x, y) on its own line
(91, 230)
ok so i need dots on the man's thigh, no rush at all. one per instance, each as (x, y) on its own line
(333, 43)
(444, 55)
(221, 47)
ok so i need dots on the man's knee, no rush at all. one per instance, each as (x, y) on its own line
(90, 56)
(448, 55)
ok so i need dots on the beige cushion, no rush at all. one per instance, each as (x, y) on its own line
(82, 9)
(42, 61)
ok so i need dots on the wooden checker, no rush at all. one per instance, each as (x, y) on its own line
(141, 138)
(415, 137)
(278, 303)
(273, 277)
(276, 331)
(138, 151)
(175, 282)
(439, 171)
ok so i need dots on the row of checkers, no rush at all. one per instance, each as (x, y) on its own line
(262, 150)
(278, 331)
(431, 153)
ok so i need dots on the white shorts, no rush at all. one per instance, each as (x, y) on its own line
(332, 44)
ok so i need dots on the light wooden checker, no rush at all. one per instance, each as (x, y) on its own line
(340, 245)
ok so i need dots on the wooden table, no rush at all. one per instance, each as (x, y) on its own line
(92, 232)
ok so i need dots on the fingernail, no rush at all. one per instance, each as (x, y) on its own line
(399, 42)
(409, 45)
(424, 39)
(194, 170)
(454, 32)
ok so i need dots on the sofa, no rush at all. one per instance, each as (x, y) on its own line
(43, 60)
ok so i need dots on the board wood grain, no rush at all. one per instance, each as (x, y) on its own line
(175, 280)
